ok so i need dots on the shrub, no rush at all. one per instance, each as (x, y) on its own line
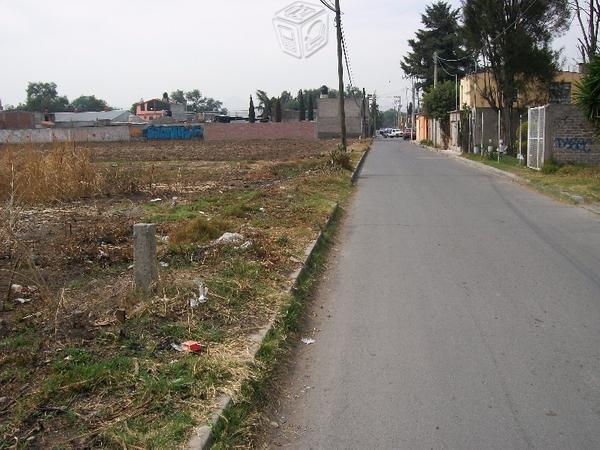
(427, 143)
(551, 166)
(340, 158)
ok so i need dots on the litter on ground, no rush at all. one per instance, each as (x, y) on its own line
(229, 238)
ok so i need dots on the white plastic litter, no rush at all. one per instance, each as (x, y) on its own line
(163, 264)
(16, 288)
(308, 341)
(230, 238)
(246, 245)
(22, 300)
(202, 294)
(155, 200)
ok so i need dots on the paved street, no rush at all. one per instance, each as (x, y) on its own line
(461, 310)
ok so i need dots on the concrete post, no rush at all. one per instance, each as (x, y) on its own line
(145, 270)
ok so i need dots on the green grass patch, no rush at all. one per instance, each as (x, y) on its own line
(199, 230)
(559, 181)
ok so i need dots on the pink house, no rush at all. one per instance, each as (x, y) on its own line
(156, 108)
(152, 109)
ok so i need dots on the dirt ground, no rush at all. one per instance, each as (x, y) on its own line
(85, 360)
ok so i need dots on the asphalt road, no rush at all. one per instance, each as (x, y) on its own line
(461, 310)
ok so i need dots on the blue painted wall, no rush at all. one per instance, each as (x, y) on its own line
(173, 132)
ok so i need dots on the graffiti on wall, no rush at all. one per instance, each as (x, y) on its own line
(173, 132)
(574, 144)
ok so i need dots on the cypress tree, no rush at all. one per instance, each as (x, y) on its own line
(251, 112)
(278, 110)
(311, 108)
(302, 105)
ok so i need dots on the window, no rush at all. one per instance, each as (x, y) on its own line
(560, 93)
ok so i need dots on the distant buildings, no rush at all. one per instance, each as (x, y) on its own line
(156, 108)
(561, 90)
(92, 118)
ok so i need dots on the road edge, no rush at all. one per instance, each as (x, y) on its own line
(359, 166)
(514, 177)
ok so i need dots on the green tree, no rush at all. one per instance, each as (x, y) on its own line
(196, 102)
(588, 92)
(375, 113)
(288, 102)
(44, 97)
(353, 91)
(251, 111)
(302, 106)
(390, 118)
(178, 96)
(514, 39)
(311, 108)
(441, 33)
(89, 103)
(437, 102)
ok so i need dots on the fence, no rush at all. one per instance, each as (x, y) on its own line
(535, 137)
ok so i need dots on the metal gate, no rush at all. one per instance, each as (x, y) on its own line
(535, 137)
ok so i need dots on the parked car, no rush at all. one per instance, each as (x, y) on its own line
(396, 133)
(409, 133)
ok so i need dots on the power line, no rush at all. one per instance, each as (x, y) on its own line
(328, 6)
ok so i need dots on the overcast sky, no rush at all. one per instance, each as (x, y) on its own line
(125, 50)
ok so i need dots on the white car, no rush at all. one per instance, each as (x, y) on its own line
(396, 133)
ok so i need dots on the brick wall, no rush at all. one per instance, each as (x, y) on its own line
(569, 136)
(253, 131)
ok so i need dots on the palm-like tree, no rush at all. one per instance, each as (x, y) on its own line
(265, 104)
(588, 92)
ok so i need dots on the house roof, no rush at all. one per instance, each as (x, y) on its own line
(91, 116)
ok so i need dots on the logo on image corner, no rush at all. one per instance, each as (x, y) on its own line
(302, 29)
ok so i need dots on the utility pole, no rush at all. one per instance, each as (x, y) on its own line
(435, 68)
(338, 19)
(412, 119)
(398, 99)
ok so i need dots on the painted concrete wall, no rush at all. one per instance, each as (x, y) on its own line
(45, 135)
(328, 122)
(165, 133)
(211, 131)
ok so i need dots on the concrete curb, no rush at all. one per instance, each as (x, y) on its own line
(359, 166)
(516, 178)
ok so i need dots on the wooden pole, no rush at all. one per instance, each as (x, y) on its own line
(338, 18)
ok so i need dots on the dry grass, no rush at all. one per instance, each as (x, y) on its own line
(62, 173)
(75, 374)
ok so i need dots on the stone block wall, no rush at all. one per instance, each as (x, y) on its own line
(569, 136)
